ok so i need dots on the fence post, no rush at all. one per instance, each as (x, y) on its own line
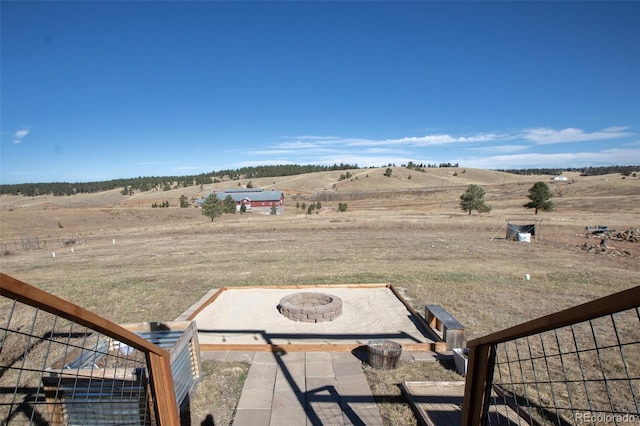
(162, 383)
(478, 384)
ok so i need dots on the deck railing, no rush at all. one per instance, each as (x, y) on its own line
(578, 366)
(63, 365)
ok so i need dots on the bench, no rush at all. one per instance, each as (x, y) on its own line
(445, 326)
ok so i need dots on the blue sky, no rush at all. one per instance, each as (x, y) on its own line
(94, 91)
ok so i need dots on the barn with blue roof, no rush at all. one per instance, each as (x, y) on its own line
(254, 200)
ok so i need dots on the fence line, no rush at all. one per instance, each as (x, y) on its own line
(39, 243)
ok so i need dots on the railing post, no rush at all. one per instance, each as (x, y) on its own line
(478, 384)
(162, 387)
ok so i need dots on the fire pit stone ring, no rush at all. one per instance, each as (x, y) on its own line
(310, 307)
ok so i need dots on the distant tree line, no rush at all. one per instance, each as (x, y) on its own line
(420, 167)
(585, 171)
(164, 183)
(279, 170)
(127, 186)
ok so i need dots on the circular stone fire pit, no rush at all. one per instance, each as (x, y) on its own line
(310, 307)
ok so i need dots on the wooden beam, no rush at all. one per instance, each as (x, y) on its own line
(206, 303)
(412, 347)
(423, 322)
(304, 286)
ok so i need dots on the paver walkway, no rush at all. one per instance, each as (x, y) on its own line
(305, 388)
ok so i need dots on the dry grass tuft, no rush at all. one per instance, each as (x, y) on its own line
(218, 393)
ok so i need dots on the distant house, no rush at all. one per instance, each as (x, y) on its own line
(560, 178)
(256, 200)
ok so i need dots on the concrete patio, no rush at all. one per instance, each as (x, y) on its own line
(303, 388)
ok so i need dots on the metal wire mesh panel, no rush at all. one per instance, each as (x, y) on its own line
(54, 371)
(585, 373)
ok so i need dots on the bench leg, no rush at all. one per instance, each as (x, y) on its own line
(454, 339)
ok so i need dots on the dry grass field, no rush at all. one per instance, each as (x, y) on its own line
(134, 263)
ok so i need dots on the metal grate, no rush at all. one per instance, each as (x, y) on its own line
(583, 373)
(55, 371)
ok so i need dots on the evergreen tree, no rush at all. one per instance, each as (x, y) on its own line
(540, 195)
(212, 207)
(473, 199)
(229, 204)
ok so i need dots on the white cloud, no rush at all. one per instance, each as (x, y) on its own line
(563, 159)
(19, 135)
(500, 149)
(272, 152)
(282, 149)
(539, 136)
(272, 162)
(490, 150)
(426, 140)
(381, 151)
(616, 129)
(311, 137)
(298, 145)
(438, 139)
(547, 136)
(443, 139)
